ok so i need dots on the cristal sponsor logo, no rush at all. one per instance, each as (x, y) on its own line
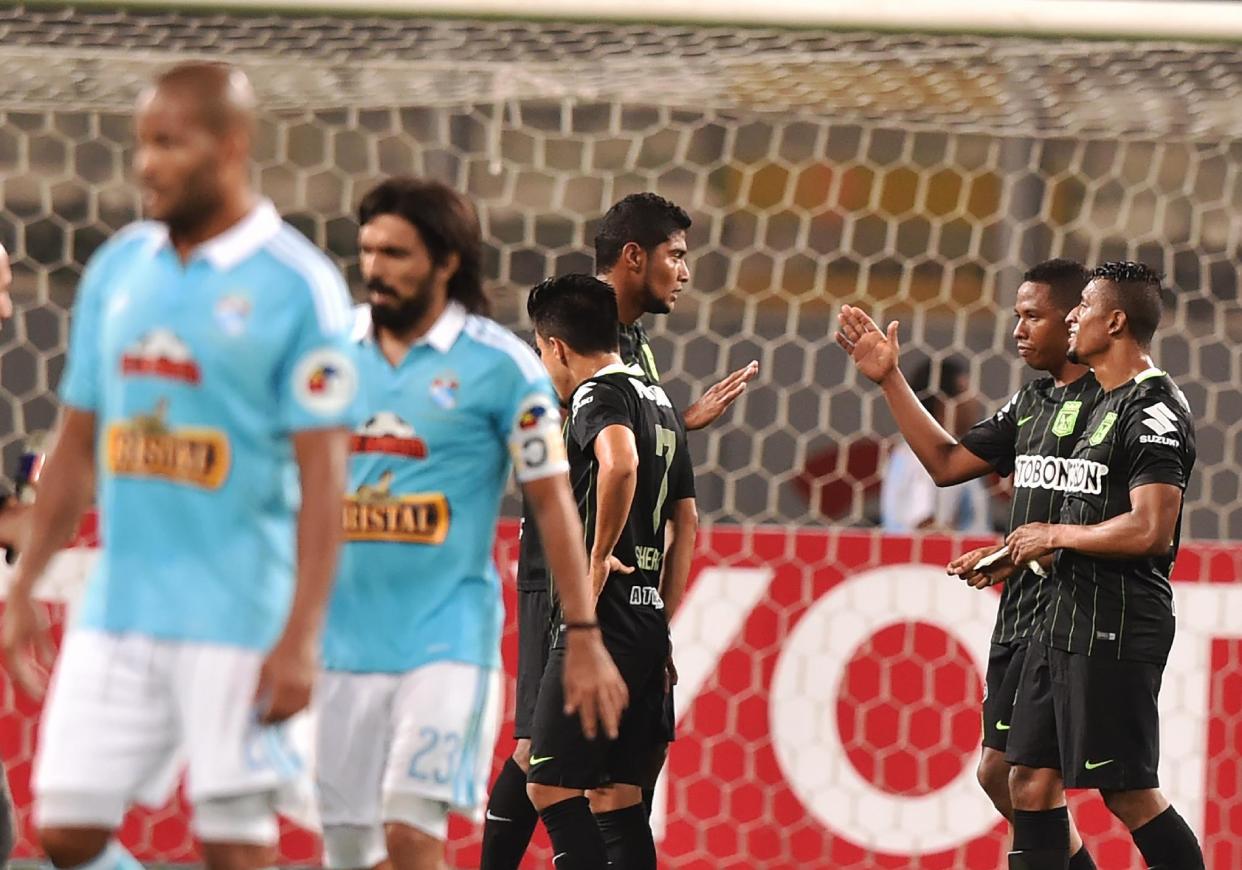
(373, 513)
(148, 447)
(1159, 419)
(1059, 474)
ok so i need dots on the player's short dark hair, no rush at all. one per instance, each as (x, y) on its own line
(647, 219)
(447, 224)
(1135, 289)
(1065, 278)
(580, 310)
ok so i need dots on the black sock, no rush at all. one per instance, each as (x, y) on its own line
(1081, 860)
(511, 820)
(576, 841)
(1041, 829)
(1040, 839)
(627, 836)
(1168, 843)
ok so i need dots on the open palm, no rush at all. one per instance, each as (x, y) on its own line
(874, 352)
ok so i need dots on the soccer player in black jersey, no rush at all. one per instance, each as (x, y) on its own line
(1086, 715)
(633, 478)
(640, 250)
(1036, 429)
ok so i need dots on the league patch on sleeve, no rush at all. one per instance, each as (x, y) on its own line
(325, 382)
(536, 443)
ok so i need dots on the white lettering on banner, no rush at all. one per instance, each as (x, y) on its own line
(1205, 612)
(803, 701)
(712, 614)
(809, 676)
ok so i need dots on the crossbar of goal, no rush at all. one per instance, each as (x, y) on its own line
(1213, 20)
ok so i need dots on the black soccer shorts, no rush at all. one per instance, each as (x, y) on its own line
(534, 622)
(1004, 669)
(1093, 717)
(560, 753)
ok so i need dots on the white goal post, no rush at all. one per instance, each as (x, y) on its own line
(1158, 19)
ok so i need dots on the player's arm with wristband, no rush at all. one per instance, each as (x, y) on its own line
(593, 686)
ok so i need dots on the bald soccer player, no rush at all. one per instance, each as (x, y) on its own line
(209, 361)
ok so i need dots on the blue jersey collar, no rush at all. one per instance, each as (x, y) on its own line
(238, 242)
(442, 335)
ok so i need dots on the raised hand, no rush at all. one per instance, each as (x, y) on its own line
(873, 352)
(719, 397)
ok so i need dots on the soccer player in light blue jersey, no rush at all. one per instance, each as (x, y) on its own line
(410, 701)
(209, 394)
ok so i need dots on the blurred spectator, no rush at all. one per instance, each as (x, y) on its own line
(909, 498)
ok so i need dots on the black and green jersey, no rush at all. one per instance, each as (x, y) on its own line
(1139, 433)
(629, 607)
(532, 569)
(1027, 438)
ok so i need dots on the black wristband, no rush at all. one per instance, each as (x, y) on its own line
(579, 626)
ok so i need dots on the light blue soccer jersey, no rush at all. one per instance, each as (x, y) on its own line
(428, 469)
(198, 374)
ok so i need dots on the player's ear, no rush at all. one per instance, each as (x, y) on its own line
(561, 350)
(449, 265)
(1116, 322)
(633, 256)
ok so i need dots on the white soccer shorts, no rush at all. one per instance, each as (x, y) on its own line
(127, 713)
(428, 733)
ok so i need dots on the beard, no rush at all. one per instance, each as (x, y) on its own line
(398, 315)
(1072, 356)
(201, 199)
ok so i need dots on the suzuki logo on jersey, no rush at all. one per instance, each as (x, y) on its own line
(373, 513)
(147, 446)
(651, 393)
(1160, 419)
(1059, 474)
(388, 433)
(161, 354)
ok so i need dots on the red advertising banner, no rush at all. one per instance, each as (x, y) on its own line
(828, 713)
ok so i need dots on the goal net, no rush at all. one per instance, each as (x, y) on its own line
(916, 176)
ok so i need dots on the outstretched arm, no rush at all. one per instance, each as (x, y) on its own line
(1147, 529)
(875, 354)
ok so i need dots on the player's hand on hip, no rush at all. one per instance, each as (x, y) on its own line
(27, 644)
(601, 567)
(874, 352)
(1030, 543)
(286, 680)
(593, 685)
(720, 396)
(670, 674)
